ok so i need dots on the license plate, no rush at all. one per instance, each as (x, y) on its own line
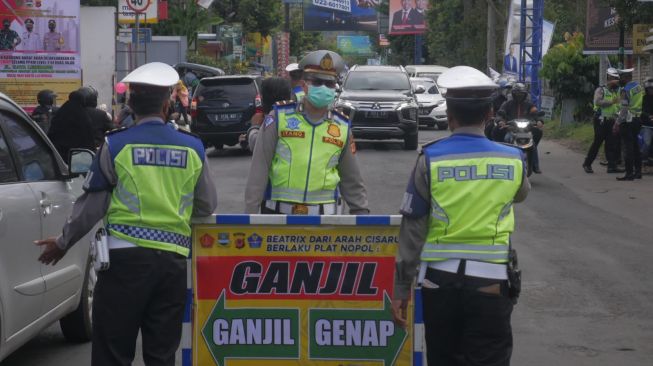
(226, 117)
(376, 114)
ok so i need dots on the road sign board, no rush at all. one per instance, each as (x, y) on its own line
(139, 6)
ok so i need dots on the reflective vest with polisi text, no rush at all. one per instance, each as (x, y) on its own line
(305, 164)
(611, 110)
(157, 169)
(473, 183)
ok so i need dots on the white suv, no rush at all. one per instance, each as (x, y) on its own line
(37, 193)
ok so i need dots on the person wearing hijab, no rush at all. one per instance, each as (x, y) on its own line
(71, 126)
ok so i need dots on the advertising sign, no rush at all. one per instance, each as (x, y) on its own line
(408, 16)
(355, 45)
(296, 294)
(127, 15)
(283, 52)
(340, 15)
(601, 32)
(640, 33)
(39, 49)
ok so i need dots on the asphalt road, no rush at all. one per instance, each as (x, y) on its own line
(584, 244)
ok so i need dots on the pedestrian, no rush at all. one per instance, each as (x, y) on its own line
(519, 107)
(145, 184)
(71, 126)
(304, 155)
(296, 81)
(101, 123)
(46, 109)
(457, 219)
(273, 90)
(179, 103)
(630, 123)
(606, 108)
(647, 119)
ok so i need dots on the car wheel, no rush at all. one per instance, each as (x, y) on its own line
(410, 142)
(78, 326)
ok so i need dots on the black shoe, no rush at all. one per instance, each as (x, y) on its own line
(615, 170)
(588, 169)
(603, 162)
(626, 177)
(537, 171)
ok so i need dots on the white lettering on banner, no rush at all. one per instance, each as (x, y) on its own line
(342, 5)
(365, 333)
(252, 332)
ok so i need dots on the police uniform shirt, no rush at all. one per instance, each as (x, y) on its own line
(93, 204)
(351, 183)
(52, 41)
(414, 227)
(31, 41)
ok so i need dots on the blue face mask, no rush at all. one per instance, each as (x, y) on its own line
(320, 96)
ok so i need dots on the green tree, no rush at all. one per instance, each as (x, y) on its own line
(261, 16)
(186, 18)
(301, 41)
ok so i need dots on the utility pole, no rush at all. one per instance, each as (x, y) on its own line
(491, 36)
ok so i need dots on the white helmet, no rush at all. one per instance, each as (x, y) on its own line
(154, 74)
(613, 72)
(292, 67)
(465, 77)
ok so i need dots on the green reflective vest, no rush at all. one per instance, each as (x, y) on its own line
(305, 164)
(299, 93)
(612, 110)
(635, 98)
(152, 203)
(471, 200)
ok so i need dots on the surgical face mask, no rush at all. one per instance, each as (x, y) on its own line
(320, 96)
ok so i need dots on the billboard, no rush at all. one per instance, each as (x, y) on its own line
(408, 16)
(355, 45)
(39, 49)
(296, 294)
(340, 15)
(601, 32)
(640, 33)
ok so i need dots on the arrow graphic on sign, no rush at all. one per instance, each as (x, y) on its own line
(355, 334)
(251, 333)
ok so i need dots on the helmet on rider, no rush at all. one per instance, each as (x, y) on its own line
(519, 92)
(46, 97)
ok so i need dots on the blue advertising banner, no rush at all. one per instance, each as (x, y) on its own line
(355, 45)
(344, 15)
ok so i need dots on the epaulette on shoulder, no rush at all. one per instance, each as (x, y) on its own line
(187, 132)
(116, 130)
(285, 105)
(339, 117)
(421, 151)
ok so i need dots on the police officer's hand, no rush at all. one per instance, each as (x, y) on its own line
(400, 312)
(501, 124)
(52, 253)
(539, 124)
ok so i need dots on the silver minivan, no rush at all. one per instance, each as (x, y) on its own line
(37, 193)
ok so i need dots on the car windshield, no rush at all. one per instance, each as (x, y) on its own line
(429, 85)
(233, 90)
(367, 80)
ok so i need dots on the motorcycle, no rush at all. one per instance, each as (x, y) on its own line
(520, 134)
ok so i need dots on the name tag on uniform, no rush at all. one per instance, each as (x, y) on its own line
(158, 156)
(333, 141)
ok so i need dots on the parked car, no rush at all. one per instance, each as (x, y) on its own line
(37, 193)
(222, 108)
(427, 71)
(429, 98)
(191, 73)
(380, 103)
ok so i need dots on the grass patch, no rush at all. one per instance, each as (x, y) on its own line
(577, 136)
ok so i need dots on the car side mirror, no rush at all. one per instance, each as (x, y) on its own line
(420, 89)
(80, 161)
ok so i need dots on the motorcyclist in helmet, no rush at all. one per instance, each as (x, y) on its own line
(519, 107)
(505, 86)
(43, 113)
(101, 122)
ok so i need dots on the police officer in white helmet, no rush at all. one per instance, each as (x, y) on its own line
(457, 220)
(145, 183)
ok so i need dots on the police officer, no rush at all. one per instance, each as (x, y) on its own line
(630, 123)
(145, 182)
(296, 81)
(53, 41)
(457, 219)
(304, 154)
(606, 108)
(46, 109)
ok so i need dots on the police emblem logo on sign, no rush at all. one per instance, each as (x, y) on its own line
(206, 241)
(255, 241)
(333, 130)
(223, 239)
(239, 240)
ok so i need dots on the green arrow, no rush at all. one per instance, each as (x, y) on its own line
(251, 333)
(355, 334)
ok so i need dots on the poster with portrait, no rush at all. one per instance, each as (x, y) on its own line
(340, 15)
(39, 48)
(408, 16)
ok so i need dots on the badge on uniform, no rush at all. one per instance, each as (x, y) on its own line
(333, 130)
(268, 120)
(292, 123)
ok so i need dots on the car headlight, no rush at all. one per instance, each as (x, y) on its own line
(523, 124)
